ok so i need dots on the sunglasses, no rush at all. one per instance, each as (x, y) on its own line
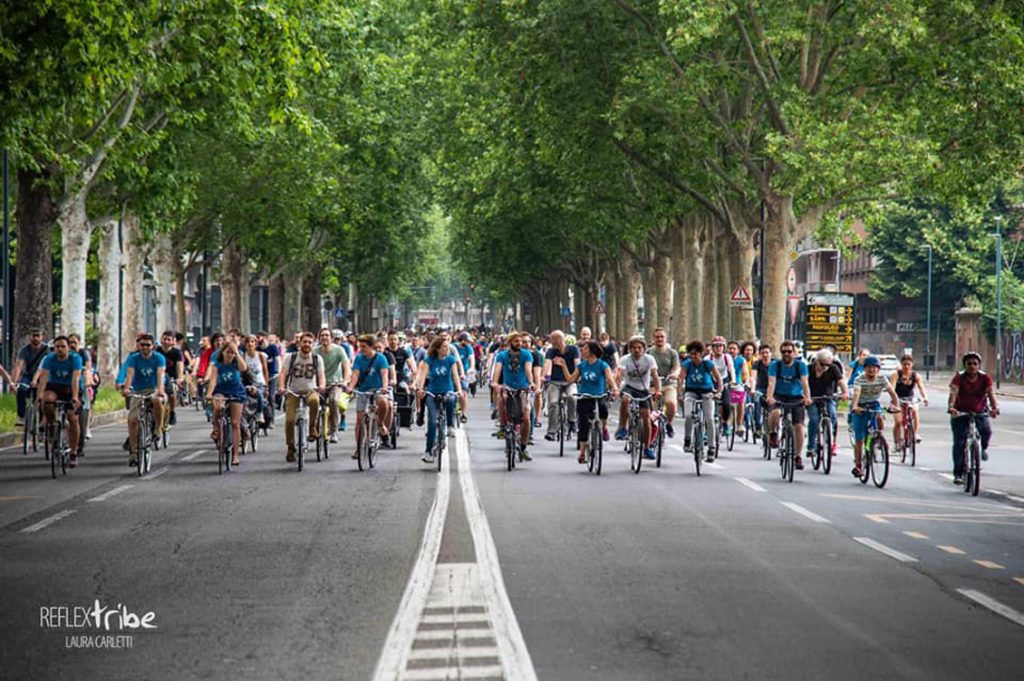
(786, 352)
(145, 345)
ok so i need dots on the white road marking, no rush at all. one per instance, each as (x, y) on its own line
(192, 455)
(46, 522)
(804, 512)
(876, 518)
(394, 657)
(952, 549)
(922, 468)
(915, 535)
(999, 492)
(750, 483)
(515, 657)
(993, 605)
(153, 475)
(947, 476)
(882, 548)
(1013, 498)
(991, 565)
(113, 492)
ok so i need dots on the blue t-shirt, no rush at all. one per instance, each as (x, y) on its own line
(370, 369)
(787, 378)
(699, 376)
(229, 380)
(856, 369)
(513, 368)
(347, 347)
(122, 373)
(592, 377)
(144, 377)
(738, 363)
(273, 352)
(419, 354)
(60, 372)
(465, 353)
(440, 374)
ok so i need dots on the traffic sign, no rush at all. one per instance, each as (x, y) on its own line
(791, 281)
(829, 321)
(599, 308)
(566, 311)
(794, 308)
(741, 297)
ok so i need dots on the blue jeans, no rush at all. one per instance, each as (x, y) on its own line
(432, 417)
(21, 399)
(814, 416)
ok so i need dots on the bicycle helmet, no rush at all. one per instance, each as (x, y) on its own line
(463, 336)
(718, 340)
(970, 355)
(570, 339)
(872, 361)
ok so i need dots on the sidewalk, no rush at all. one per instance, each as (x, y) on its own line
(14, 437)
(939, 382)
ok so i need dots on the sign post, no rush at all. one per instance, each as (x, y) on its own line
(829, 320)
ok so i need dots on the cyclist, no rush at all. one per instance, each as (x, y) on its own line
(556, 373)
(667, 360)
(787, 384)
(336, 371)
(585, 334)
(438, 373)
(701, 380)
(302, 373)
(25, 366)
(175, 371)
(969, 391)
(467, 357)
(144, 376)
(905, 381)
(760, 368)
(534, 345)
(594, 377)
(225, 380)
(823, 377)
(60, 377)
(370, 372)
(868, 387)
(513, 368)
(86, 384)
(637, 372)
(259, 371)
(727, 370)
(857, 365)
(739, 394)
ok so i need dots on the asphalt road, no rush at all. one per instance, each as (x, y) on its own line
(547, 572)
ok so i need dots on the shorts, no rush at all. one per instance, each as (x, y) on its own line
(636, 393)
(230, 397)
(860, 421)
(135, 403)
(63, 392)
(669, 393)
(798, 410)
(363, 401)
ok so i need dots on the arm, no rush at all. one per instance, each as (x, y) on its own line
(76, 377)
(263, 363)
(613, 388)
(6, 376)
(211, 381)
(547, 369)
(43, 378)
(954, 389)
(19, 366)
(856, 399)
(421, 377)
(282, 375)
(807, 389)
(129, 376)
(160, 380)
(771, 388)
(180, 366)
(920, 388)
(718, 379)
(844, 390)
(676, 366)
(655, 380)
(386, 376)
(321, 377)
(993, 407)
(496, 380)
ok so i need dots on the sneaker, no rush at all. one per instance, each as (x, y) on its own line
(984, 455)
(499, 433)
(73, 460)
(529, 442)
(799, 463)
(341, 425)
(604, 433)
(572, 429)
(773, 440)
(727, 431)
(260, 419)
(649, 453)
(670, 432)
(582, 458)
(20, 422)
(88, 433)
(550, 437)
(917, 439)
(687, 445)
(290, 457)
(740, 430)
(524, 456)
(334, 438)
(958, 481)
(419, 420)
(126, 445)
(710, 458)
(173, 421)
(133, 463)
(620, 434)
(428, 458)
(463, 419)
(313, 436)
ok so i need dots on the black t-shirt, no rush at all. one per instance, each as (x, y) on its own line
(824, 385)
(31, 358)
(761, 368)
(608, 354)
(571, 355)
(390, 356)
(173, 356)
(905, 391)
(401, 356)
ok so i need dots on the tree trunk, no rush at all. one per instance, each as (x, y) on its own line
(695, 247)
(34, 215)
(232, 262)
(311, 316)
(782, 232)
(742, 272)
(109, 254)
(709, 286)
(650, 296)
(134, 262)
(724, 272)
(630, 286)
(245, 301)
(663, 285)
(612, 298)
(276, 303)
(681, 310)
(76, 234)
(181, 322)
(162, 258)
(292, 304)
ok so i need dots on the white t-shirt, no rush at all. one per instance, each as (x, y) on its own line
(638, 371)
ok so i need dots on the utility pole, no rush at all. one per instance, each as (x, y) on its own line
(928, 322)
(7, 339)
(999, 300)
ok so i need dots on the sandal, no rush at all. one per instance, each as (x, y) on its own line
(236, 462)
(857, 472)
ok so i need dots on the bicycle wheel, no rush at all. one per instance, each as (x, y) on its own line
(561, 431)
(825, 442)
(660, 444)
(972, 482)
(732, 439)
(62, 447)
(28, 431)
(912, 443)
(635, 455)
(142, 443)
(226, 434)
(509, 454)
(48, 447)
(788, 453)
(438, 453)
(253, 434)
(697, 442)
(865, 460)
(879, 461)
(815, 452)
(596, 446)
(766, 442)
(300, 444)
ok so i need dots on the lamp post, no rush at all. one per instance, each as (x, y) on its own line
(999, 300)
(928, 317)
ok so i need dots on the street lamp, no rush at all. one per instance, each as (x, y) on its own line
(999, 300)
(928, 318)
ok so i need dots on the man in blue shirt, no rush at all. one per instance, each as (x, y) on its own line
(60, 376)
(370, 373)
(788, 385)
(144, 379)
(513, 369)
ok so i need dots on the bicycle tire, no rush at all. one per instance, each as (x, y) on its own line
(509, 456)
(142, 444)
(48, 450)
(300, 444)
(634, 447)
(561, 434)
(661, 444)
(766, 441)
(789, 437)
(825, 441)
(362, 461)
(226, 433)
(815, 452)
(27, 427)
(439, 452)
(879, 462)
(697, 442)
(865, 460)
(62, 446)
(913, 446)
(145, 454)
(597, 445)
(972, 483)
(253, 435)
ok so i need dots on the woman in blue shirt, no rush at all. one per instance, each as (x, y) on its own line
(595, 377)
(225, 380)
(700, 379)
(439, 373)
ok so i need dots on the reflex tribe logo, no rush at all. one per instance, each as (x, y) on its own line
(100, 626)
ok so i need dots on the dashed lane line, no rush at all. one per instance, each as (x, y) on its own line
(111, 493)
(750, 484)
(882, 548)
(797, 508)
(154, 474)
(993, 605)
(193, 455)
(915, 535)
(46, 522)
(989, 564)
(951, 549)
(1019, 580)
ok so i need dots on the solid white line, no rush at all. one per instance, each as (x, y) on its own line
(922, 468)
(995, 491)
(751, 484)
(46, 522)
(947, 476)
(155, 474)
(192, 455)
(882, 548)
(1013, 498)
(395, 654)
(993, 605)
(804, 512)
(515, 657)
(113, 492)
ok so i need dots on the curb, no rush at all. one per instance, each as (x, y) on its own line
(14, 437)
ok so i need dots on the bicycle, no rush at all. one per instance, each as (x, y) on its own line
(596, 444)
(821, 455)
(972, 452)
(225, 435)
(787, 442)
(31, 433)
(749, 430)
(513, 419)
(250, 426)
(395, 423)
(697, 431)
(908, 444)
(301, 427)
(875, 454)
(440, 424)
(323, 442)
(765, 435)
(144, 437)
(634, 447)
(734, 392)
(56, 439)
(659, 422)
(561, 416)
(369, 437)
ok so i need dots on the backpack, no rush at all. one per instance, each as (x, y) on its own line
(290, 359)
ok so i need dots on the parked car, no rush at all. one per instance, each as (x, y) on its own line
(890, 363)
